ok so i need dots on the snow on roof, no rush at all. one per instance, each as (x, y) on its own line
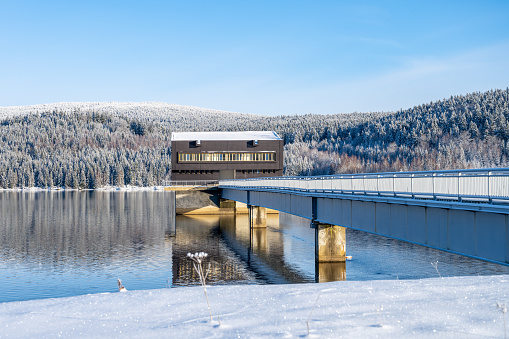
(244, 135)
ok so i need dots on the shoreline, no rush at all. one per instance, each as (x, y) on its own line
(105, 188)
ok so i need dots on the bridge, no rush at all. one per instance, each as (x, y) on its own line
(465, 212)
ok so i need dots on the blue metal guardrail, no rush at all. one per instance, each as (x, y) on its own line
(483, 185)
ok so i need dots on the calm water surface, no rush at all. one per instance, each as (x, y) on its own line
(57, 244)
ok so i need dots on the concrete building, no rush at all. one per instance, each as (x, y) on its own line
(225, 155)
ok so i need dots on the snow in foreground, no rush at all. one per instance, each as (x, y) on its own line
(464, 307)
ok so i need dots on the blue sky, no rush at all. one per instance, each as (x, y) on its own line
(262, 57)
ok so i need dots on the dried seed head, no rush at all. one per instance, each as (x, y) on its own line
(197, 257)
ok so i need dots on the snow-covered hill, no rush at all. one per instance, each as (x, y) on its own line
(466, 131)
(154, 110)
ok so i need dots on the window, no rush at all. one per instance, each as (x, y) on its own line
(230, 156)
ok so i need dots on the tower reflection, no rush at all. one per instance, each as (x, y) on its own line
(201, 233)
(270, 254)
(240, 254)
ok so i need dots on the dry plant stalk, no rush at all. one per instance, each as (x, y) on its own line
(435, 265)
(197, 259)
(310, 313)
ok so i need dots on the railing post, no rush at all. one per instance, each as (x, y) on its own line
(412, 185)
(489, 192)
(394, 184)
(459, 183)
(433, 182)
(378, 184)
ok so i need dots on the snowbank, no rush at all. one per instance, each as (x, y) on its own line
(463, 307)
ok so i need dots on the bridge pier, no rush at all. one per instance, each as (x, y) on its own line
(257, 216)
(227, 206)
(330, 242)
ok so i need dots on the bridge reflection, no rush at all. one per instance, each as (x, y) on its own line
(267, 252)
(463, 211)
(201, 233)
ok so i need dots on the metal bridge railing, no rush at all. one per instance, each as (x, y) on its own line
(476, 184)
(191, 183)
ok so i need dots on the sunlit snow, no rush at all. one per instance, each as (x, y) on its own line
(457, 307)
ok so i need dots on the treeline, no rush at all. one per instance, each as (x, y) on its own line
(90, 145)
(466, 131)
(86, 150)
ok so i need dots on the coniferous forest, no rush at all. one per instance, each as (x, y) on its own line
(91, 145)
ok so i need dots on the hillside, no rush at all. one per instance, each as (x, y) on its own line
(466, 131)
(90, 145)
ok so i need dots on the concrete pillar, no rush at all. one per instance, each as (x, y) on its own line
(227, 206)
(257, 216)
(330, 271)
(330, 242)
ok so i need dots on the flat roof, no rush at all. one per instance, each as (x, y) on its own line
(244, 135)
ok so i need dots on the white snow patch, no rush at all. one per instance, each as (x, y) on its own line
(454, 307)
(243, 135)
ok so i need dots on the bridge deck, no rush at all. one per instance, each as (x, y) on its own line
(465, 212)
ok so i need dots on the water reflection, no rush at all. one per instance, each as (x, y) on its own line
(330, 271)
(55, 244)
(202, 234)
(66, 243)
(238, 254)
(275, 253)
(264, 250)
(72, 225)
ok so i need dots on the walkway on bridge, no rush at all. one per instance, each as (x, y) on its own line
(465, 211)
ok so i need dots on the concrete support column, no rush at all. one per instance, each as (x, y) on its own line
(257, 216)
(330, 242)
(227, 206)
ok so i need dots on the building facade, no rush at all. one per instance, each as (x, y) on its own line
(225, 155)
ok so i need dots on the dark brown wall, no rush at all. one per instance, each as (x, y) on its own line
(244, 169)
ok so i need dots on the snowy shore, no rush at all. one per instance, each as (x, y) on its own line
(103, 188)
(464, 307)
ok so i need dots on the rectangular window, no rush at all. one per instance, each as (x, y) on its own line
(226, 156)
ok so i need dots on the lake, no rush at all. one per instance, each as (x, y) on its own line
(67, 243)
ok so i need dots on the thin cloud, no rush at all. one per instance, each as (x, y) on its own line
(419, 81)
